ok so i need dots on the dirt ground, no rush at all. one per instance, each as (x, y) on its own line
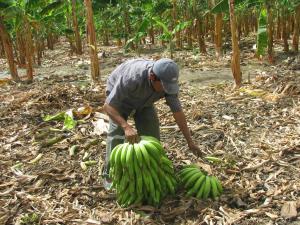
(254, 131)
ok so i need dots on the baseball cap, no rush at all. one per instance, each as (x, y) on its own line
(167, 71)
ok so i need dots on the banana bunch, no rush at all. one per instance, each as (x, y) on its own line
(141, 172)
(199, 184)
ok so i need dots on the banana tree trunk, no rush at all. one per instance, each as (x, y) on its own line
(200, 36)
(7, 44)
(2, 51)
(218, 34)
(278, 30)
(20, 42)
(39, 51)
(126, 23)
(254, 22)
(246, 24)
(235, 60)
(239, 26)
(76, 29)
(291, 24)
(106, 37)
(151, 34)
(28, 50)
(119, 40)
(174, 23)
(296, 30)
(189, 28)
(270, 28)
(95, 71)
(50, 41)
(70, 37)
(285, 31)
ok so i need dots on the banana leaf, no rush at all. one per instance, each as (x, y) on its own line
(69, 122)
(223, 7)
(181, 26)
(57, 117)
(67, 117)
(262, 35)
(167, 35)
(52, 6)
(5, 3)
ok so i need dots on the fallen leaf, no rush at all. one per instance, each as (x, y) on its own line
(271, 215)
(289, 210)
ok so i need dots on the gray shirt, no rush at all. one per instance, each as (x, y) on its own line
(129, 88)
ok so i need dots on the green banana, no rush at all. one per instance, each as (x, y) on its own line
(170, 185)
(131, 186)
(153, 164)
(167, 169)
(112, 155)
(214, 188)
(155, 179)
(138, 154)
(139, 199)
(152, 150)
(146, 182)
(118, 170)
(145, 154)
(131, 199)
(213, 159)
(129, 161)
(162, 180)
(123, 184)
(111, 172)
(123, 155)
(123, 197)
(150, 182)
(192, 179)
(164, 160)
(207, 188)
(190, 166)
(201, 190)
(138, 177)
(118, 155)
(196, 186)
(219, 185)
(188, 176)
(157, 197)
(185, 171)
(150, 138)
(174, 182)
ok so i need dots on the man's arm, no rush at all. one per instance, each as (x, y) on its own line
(130, 133)
(182, 124)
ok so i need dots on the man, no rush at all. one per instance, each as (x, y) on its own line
(132, 88)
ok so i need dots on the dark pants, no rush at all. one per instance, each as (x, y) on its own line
(146, 123)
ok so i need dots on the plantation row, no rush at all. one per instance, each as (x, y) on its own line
(28, 27)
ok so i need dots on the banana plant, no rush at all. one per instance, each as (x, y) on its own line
(141, 33)
(262, 36)
(8, 10)
(169, 35)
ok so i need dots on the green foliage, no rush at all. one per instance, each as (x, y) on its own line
(223, 7)
(30, 219)
(142, 32)
(52, 6)
(262, 36)
(5, 4)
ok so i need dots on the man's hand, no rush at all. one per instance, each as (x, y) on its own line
(195, 149)
(131, 134)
